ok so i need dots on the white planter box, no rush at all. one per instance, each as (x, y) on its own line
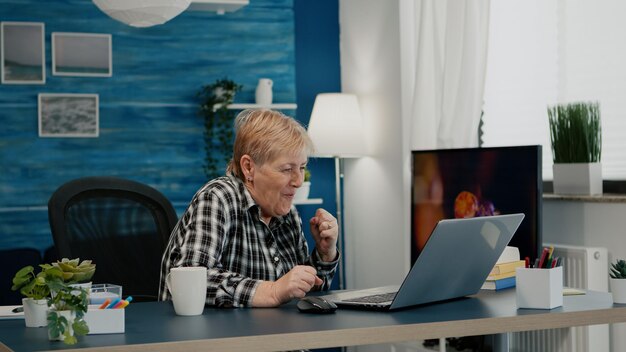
(578, 178)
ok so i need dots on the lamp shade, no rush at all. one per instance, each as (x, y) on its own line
(336, 126)
(142, 13)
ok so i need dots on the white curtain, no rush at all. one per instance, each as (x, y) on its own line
(450, 57)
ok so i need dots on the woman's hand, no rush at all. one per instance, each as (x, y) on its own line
(325, 233)
(295, 284)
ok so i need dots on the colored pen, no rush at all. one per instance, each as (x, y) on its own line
(550, 252)
(527, 262)
(105, 303)
(110, 306)
(544, 254)
(553, 263)
(123, 303)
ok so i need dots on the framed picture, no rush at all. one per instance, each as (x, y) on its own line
(68, 115)
(22, 53)
(81, 54)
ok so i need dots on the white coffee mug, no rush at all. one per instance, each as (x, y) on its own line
(187, 285)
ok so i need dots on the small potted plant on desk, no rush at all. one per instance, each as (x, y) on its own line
(68, 305)
(618, 281)
(61, 296)
(34, 288)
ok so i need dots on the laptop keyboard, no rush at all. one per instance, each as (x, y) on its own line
(380, 298)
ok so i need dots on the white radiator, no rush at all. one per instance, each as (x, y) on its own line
(584, 268)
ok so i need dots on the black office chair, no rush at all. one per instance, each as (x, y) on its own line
(123, 226)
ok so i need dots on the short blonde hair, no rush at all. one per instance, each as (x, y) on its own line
(265, 135)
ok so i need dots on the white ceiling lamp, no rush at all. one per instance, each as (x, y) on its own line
(142, 13)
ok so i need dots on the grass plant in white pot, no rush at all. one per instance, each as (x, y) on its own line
(618, 281)
(576, 138)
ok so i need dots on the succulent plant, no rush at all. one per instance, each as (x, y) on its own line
(618, 269)
(73, 270)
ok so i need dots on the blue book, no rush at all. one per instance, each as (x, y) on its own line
(499, 284)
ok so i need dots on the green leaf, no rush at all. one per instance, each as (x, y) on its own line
(24, 271)
(80, 327)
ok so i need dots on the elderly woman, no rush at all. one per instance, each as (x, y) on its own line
(244, 228)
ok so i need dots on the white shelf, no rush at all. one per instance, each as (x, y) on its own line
(283, 106)
(219, 6)
(309, 201)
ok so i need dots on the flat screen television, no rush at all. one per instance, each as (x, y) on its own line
(469, 182)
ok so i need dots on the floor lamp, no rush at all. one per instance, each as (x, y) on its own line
(336, 128)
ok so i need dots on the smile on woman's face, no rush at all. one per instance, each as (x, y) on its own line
(274, 184)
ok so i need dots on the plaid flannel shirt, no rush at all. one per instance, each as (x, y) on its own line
(222, 230)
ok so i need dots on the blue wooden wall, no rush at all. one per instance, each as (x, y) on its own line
(149, 127)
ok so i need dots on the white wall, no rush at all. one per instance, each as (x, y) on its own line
(375, 201)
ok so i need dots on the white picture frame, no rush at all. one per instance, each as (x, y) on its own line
(81, 54)
(22, 53)
(68, 115)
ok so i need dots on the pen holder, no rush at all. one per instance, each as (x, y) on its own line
(539, 288)
(105, 321)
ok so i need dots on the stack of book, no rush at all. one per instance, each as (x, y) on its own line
(503, 273)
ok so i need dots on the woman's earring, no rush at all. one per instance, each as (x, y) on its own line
(249, 179)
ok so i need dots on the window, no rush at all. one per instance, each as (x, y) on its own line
(547, 52)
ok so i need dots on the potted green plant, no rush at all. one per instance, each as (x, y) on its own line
(218, 124)
(302, 193)
(35, 290)
(73, 271)
(618, 281)
(67, 308)
(576, 140)
(38, 288)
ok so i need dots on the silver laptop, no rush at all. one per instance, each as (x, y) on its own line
(455, 262)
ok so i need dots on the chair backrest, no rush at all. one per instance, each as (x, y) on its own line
(121, 225)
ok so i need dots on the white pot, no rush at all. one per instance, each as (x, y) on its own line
(69, 315)
(35, 312)
(618, 290)
(578, 178)
(302, 193)
(263, 92)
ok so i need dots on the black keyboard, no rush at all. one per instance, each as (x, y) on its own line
(380, 298)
